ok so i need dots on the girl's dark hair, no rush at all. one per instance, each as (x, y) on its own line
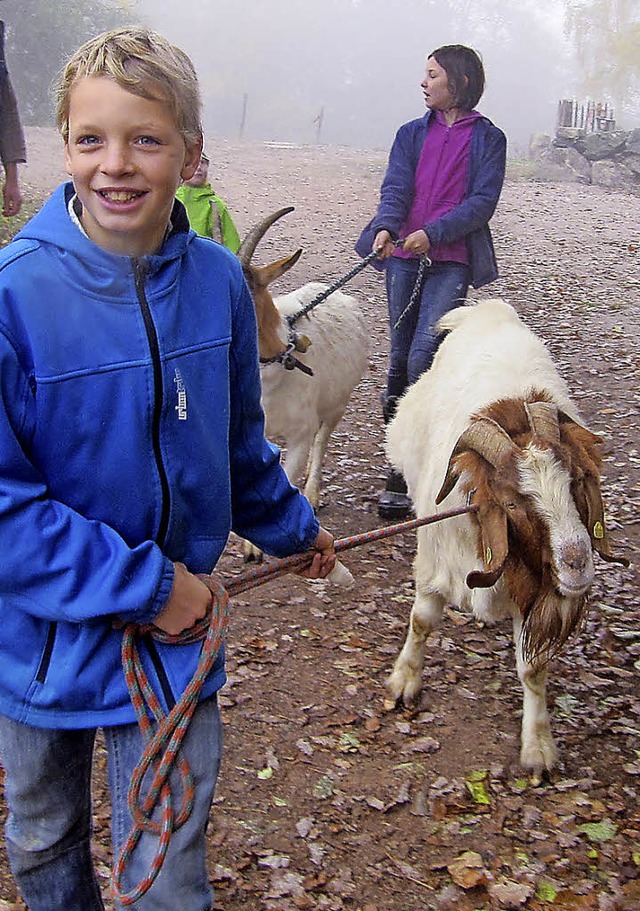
(465, 73)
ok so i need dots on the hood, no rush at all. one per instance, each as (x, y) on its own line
(91, 267)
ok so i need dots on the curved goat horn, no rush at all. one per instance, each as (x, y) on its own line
(486, 437)
(255, 235)
(543, 420)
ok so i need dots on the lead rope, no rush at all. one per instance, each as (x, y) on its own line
(162, 745)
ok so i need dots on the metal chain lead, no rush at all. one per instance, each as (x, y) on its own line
(334, 287)
(425, 263)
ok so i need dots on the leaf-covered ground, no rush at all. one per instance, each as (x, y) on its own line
(325, 801)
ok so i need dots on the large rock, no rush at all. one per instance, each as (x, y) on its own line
(596, 146)
(608, 158)
(633, 141)
(615, 175)
(538, 144)
(563, 165)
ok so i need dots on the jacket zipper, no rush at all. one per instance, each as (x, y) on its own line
(139, 274)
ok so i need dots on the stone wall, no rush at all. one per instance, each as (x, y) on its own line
(607, 159)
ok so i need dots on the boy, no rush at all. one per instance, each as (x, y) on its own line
(131, 442)
(208, 213)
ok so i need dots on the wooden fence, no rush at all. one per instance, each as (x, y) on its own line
(590, 116)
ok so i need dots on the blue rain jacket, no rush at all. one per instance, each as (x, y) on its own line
(131, 436)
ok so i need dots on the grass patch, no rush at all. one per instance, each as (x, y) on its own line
(9, 227)
(520, 168)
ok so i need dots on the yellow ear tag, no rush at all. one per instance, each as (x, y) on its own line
(488, 556)
(598, 530)
(302, 343)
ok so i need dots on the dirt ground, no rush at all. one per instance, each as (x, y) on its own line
(326, 801)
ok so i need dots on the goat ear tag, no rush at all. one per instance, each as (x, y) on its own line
(598, 530)
(488, 555)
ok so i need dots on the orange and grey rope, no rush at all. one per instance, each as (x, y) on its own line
(165, 733)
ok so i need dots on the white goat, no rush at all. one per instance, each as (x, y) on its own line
(307, 379)
(491, 423)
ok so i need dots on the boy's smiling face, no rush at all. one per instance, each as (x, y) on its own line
(126, 157)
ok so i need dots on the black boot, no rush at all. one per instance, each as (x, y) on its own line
(393, 502)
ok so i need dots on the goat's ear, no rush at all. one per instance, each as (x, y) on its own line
(274, 270)
(495, 547)
(588, 495)
(595, 521)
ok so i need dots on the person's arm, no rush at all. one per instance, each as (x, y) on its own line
(230, 236)
(56, 563)
(398, 186)
(11, 195)
(475, 211)
(12, 147)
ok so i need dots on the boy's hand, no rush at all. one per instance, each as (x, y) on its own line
(325, 558)
(188, 602)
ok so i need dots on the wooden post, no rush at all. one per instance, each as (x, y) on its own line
(318, 122)
(243, 119)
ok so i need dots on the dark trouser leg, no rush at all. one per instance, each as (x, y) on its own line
(393, 502)
(48, 792)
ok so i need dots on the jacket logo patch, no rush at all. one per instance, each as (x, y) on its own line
(181, 393)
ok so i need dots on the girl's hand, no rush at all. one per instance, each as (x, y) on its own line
(417, 242)
(384, 244)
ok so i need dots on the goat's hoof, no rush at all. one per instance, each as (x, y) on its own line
(539, 760)
(402, 687)
(390, 704)
(253, 555)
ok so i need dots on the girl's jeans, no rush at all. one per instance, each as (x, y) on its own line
(48, 792)
(414, 342)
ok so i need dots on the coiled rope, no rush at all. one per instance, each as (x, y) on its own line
(164, 738)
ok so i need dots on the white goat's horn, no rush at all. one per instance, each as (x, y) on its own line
(543, 420)
(255, 235)
(486, 437)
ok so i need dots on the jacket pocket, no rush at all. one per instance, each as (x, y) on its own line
(45, 660)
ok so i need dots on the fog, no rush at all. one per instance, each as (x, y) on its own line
(348, 72)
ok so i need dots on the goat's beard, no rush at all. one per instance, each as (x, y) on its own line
(551, 621)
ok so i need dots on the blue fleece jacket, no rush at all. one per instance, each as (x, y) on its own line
(131, 436)
(469, 219)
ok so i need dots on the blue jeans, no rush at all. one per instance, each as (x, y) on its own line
(414, 341)
(48, 829)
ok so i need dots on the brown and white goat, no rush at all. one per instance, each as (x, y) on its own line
(492, 424)
(309, 369)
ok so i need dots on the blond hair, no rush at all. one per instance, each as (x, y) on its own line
(142, 62)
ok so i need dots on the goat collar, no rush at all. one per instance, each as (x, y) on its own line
(287, 358)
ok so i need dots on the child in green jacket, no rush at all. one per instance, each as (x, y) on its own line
(208, 213)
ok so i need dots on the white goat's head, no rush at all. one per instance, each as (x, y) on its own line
(534, 474)
(272, 341)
